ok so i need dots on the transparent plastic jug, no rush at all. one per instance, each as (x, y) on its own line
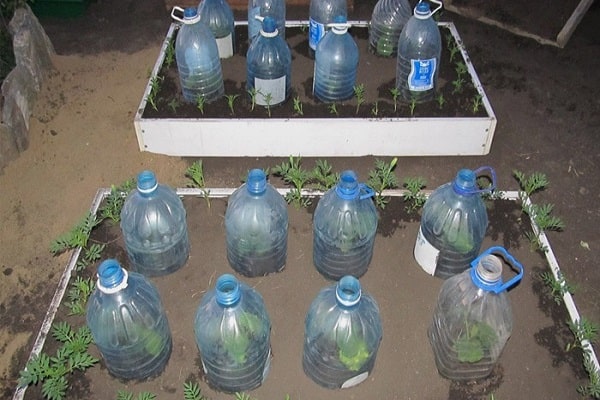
(269, 66)
(342, 335)
(344, 229)
(473, 318)
(387, 20)
(197, 56)
(233, 330)
(321, 14)
(128, 323)
(419, 51)
(453, 225)
(256, 223)
(217, 15)
(336, 64)
(153, 222)
(265, 8)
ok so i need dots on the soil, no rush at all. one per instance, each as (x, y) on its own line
(456, 102)
(82, 138)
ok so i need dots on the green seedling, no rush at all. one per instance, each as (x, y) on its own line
(195, 173)
(452, 46)
(461, 69)
(53, 372)
(395, 92)
(323, 175)
(174, 105)
(200, 103)
(584, 331)
(293, 173)
(230, 102)
(77, 237)
(155, 83)
(533, 183)
(476, 103)
(192, 391)
(89, 255)
(169, 53)
(124, 395)
(414, 198)
(592, 388)
(333, 109)
(298, 108)
(412, 105)
(359, 93)
(382, 177)
(458, 85)
(477, 338)
(78, 295)
(253, 93)
(113, 204)
(440, 100)
(375, 109)
(558, 287)
(268, 99)
(243, 396)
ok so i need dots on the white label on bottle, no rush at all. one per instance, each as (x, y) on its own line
(316, 31)
(355, 380)
(425, 254)
(225, 46)
(421, 75)
(273, 87)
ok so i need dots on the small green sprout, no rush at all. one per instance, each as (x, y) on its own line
(200, 103)
(230, 102)
(298, 109)
(395, 92)
(359, 93)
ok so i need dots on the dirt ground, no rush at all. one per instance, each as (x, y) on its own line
(82, 138)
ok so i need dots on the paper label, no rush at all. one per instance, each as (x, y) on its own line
(273, 87)
(421, 75)
(225, 46)
(425, 254)
(316, 31)
(355, 380)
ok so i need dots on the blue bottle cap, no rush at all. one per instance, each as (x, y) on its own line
(190, 12)
(111, 277)
(465, 182)
(348, 291)
(347, 187)
(256, 183)
(146, 182)
(422, 10)
(269, 25)
(340, 19)
(227, 290)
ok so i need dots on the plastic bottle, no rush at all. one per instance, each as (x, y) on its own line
(342, 335)
(263, 8)
(233, 331)
(128, 323)
(217, 15)
(256, 223)
(473, 319)
(387, 20)
(197, 56)
(336, 64)
(453, 225)
(269, 66)
(344, 228)
(321, 14)
(153, 222)
(419, 50)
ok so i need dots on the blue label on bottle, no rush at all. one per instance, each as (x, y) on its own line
(421, 75)
(316, 31)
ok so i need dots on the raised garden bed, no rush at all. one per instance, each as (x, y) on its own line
(456, 128)
(534, 365)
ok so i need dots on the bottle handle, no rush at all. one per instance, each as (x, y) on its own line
(492, 186)
(498, 250)
(366, 191)
(439, 5)
(175, 17)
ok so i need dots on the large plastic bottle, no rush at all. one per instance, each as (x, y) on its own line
(453, 225)
(321, 14)
(344, 229)
(153, 222)
(473, 319)
(233, 331)
(128, 323)
(418, 61)
(197, 56)
(263, 8)
(342, 335)
(269, 66)
(387, 20)
(336, 64)
(218, 16)
(256, 223)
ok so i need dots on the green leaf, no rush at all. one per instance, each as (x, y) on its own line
(191, 391)
(55, 388)
(123, 395)
(469, 350)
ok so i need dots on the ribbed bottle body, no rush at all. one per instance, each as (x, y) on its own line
(217, 15)
(336, 66)
(419, 51)
(234, 340)
(321, 13)
(387, 20)
(469, 330)
(256, 231)
(263, 8)
(130, 329)
(341, 341)
(269, 70)
(198, 63)
(155, 231)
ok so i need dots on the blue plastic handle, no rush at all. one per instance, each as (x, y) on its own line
(490, 188)
(499, 287)
(366, 191)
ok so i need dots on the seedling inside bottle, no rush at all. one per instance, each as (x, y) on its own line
(359, 93)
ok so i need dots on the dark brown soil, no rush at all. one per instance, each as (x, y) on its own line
(456, 103)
